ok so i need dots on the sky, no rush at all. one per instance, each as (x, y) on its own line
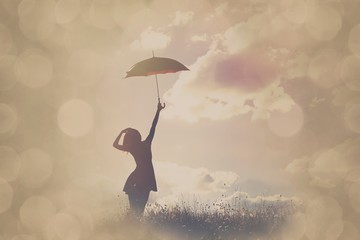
(270, 106)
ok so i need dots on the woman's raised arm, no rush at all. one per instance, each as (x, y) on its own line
(150, 137)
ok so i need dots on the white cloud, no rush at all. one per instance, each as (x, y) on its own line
(328, 169)
(151, 40)
(220, 85)
(182, 180)
(241, 73)
(221, 9)
(199, 38)
(239, 37)
(182, 183)
(182, 18)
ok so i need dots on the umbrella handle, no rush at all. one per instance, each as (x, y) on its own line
(157, 88)
(162, 105)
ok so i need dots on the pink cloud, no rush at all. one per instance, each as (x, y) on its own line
(249, 71)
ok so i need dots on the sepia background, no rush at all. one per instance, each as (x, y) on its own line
(270, 107)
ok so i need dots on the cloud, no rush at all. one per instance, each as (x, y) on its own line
(199, 38)
(248, 62)
(182, 18)
(221, 9)
(221, 85)
(238, 37)
(151, 40)
(238, 69)
(180, 180)
(247, 71)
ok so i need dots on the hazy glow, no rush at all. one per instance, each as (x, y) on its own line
(99, 14)
(76, 118)
(324, 22)
(83, 217)
(324, 68)
(329, 169)
(352, 117)
(9, 163)
(286, 124)
(85, 67)
(354, 40)
(37, 19)
(354, 194)
(351, 188)
(25, 7)
(63, 226)
(66, 10)
(296, 10)
(36, 168)
(295, 228)
(6, 195)
(121, 9)
(350, 72)
(33, 68)
(36, 212)
(8, 119)
(350, 231)
(321, 214)
(24, 237)
(335, 230)
(11, 6)
(7, 73)
(326, 175)
(6, 41)
(345, 96)
(79, 194)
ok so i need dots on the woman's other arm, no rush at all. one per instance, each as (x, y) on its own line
(116, 142)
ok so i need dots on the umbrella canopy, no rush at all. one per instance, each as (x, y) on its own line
(155, 65)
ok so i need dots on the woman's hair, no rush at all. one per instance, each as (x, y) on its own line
(132, 137)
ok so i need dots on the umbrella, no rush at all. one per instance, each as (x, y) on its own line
(155, 66)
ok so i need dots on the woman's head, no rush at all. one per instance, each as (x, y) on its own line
(132, 138)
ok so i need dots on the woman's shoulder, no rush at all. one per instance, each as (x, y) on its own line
(146, 143)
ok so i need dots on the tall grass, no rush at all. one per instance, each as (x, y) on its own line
(218, 220)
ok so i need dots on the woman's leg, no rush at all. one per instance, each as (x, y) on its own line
(143, 197)
(138, 200)
(132, 201)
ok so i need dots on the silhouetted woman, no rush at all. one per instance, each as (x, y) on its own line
(142, 180)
